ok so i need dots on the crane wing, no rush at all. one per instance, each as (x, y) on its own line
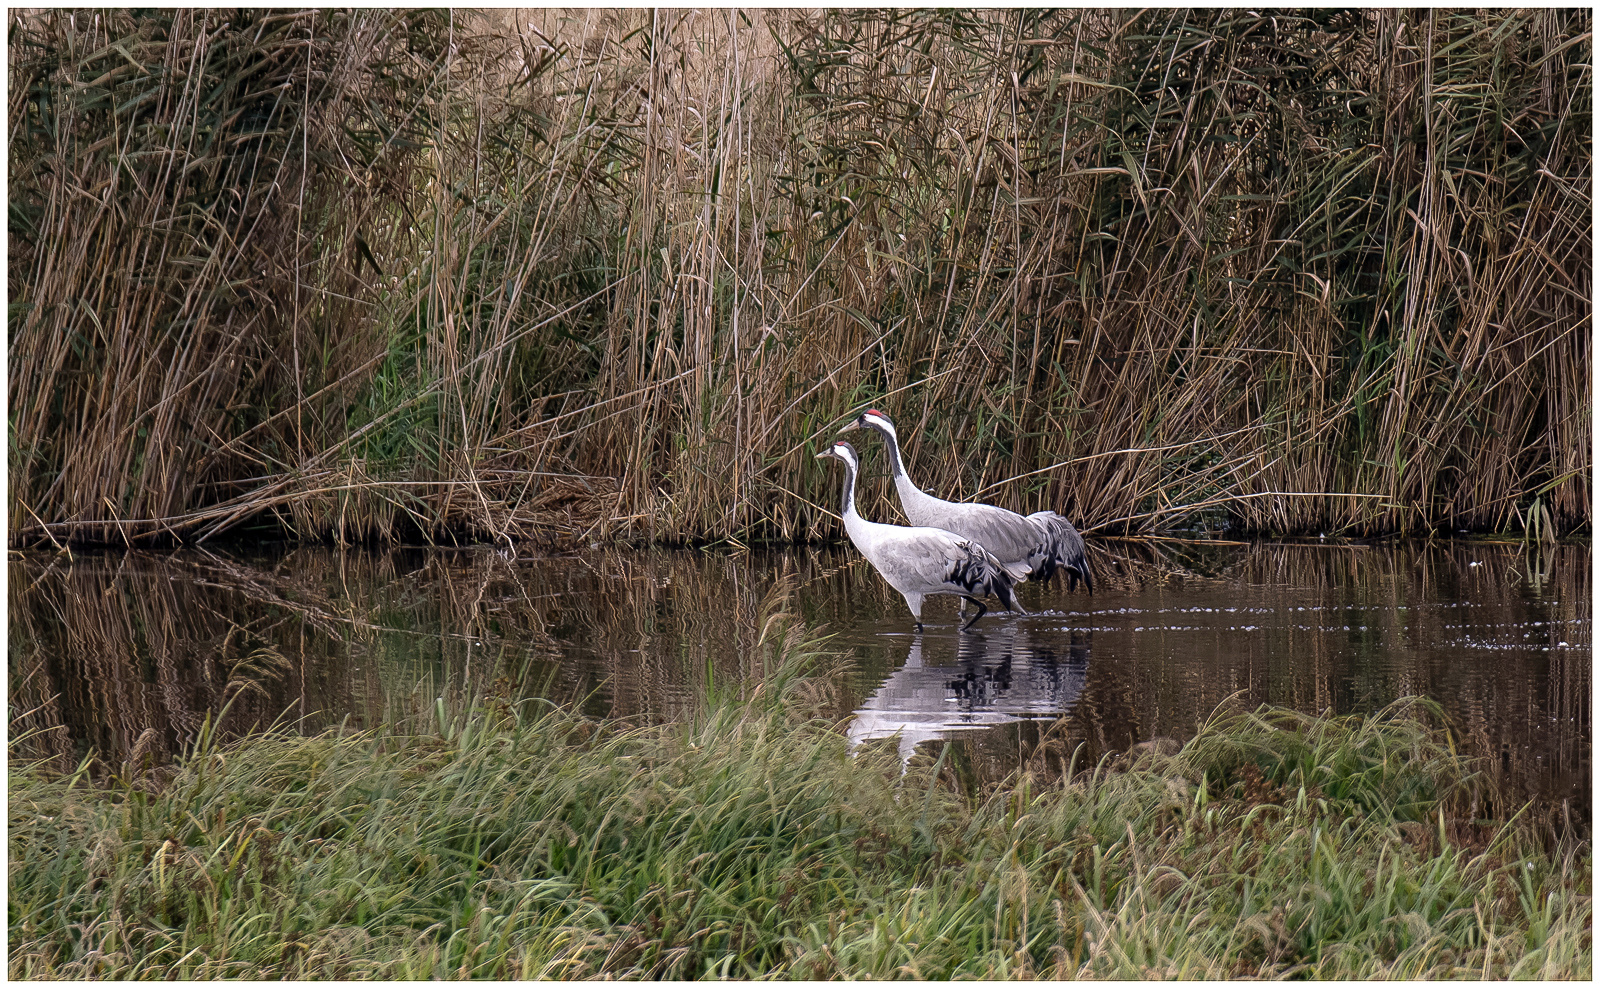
(919, 558)
(1007, 536)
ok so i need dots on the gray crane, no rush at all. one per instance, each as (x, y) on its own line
(1031, 547)
(920, 561)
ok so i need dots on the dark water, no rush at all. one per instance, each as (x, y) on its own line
(125, 654)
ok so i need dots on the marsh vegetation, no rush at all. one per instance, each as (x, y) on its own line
(515, 839)
(615, 275)
(582, 278)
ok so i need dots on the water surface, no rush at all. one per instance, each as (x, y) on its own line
(126, 654)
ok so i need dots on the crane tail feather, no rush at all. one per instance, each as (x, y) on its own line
(1061, 549)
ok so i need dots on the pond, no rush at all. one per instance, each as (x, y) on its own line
(126, 654)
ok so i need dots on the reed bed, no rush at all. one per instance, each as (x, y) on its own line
(507, 839)
(594, 275)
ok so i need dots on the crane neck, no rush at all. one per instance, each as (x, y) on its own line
(897, 469)
(909, 492)
(849, 510)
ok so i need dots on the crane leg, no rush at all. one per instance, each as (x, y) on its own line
(983, 609)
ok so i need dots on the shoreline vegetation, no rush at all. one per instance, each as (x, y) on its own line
(616, 275)
(499, 837)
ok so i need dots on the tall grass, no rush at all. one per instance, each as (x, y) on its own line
(513, 839)
(192, 195)
(612, 274)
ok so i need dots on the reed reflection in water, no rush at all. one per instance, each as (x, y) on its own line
(126, 654)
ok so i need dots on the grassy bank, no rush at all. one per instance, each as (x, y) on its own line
(518, 839)
(600, 274)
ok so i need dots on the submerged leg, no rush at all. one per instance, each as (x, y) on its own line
(983, 609)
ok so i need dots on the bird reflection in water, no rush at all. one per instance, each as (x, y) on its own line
(1000, 676)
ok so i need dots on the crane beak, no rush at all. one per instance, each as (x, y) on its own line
(824, 453)
(852, 424)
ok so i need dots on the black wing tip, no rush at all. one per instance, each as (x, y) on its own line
(1068, 554)
(1003, 587)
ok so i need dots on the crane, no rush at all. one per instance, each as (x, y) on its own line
(921, 561)
(1031, 547)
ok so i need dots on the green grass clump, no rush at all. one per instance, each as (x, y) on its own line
(524, 840)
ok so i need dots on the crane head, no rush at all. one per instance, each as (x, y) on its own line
(842, 451)
(873, 419)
